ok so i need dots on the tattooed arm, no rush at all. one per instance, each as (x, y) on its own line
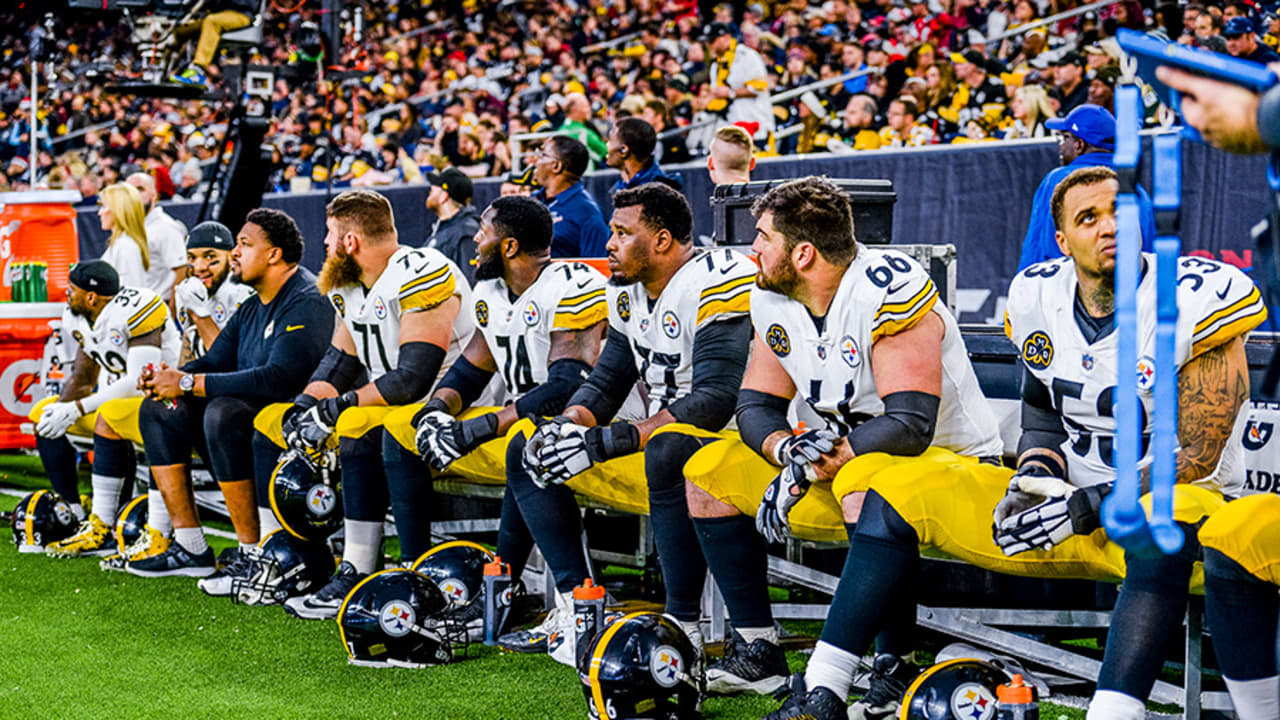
(1211, 389)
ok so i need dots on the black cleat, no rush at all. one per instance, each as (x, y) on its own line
(890, 678)
(758, 667)
(817, 704)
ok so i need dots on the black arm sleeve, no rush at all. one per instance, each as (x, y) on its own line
(759, 416)
(610, 381)
(289, 363)
(906, 427)
(465, 379)
(564, 377)
(720, 352)
(416, 369)
(344, 372)
(1041, 423)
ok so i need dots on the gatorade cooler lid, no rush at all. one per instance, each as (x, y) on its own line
(588, 590)
(35, 197)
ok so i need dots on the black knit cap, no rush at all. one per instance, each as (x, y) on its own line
(211, 234)
(95, 276)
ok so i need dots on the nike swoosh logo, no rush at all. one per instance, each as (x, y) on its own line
(1223, 295)
(291, 328)
(583, 284)
(726, 271)
(893, 290)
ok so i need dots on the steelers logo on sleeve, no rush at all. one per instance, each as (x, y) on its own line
(482, 313)
(624, 306)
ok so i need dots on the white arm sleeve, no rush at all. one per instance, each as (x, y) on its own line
(138, 358)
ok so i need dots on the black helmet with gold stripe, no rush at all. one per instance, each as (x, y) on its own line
(959, 689)
(642, 666)
(306, 494)
(39, 519)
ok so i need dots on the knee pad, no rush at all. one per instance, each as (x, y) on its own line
(227, 413)
(1155, 572)
(664, 459)
(880, 521)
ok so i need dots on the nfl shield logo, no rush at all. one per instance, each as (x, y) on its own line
(1086, 362)
(822, 352)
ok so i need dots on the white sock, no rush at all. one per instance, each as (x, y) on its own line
(363, 542)
(158, 513)
(831, 668)
(751, 635)
(244, 547)
(78, 510)
(106, 497)
(191, 539)
(267, 522)
(1255, 699)
(1113, 705)
(693, 630)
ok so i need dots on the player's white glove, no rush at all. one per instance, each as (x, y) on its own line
(779, 497)
(1042, 511)
(441, 446)
(194, 296)
(561, 449)
(806, 449)
(56, 419)
(316, 424)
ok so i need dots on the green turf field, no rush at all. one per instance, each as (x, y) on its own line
(82, 643)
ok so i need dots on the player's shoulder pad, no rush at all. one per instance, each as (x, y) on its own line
(725, 279)
(139, 309)
(1038, 287)
(1216, 302)
(581, 300)
(907, 293)
(424, 278)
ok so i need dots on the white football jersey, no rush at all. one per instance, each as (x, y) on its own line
(1216, 302)
(414, 279)
(566, 296)
(226, 300)
(883, 292)
(132, 313)
(714, 285)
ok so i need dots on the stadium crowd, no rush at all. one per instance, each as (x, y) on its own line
(425, 87)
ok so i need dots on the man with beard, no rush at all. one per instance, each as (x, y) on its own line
(206, 300)
(205, 303)
(677, 323)
(120, 331)
(264, 354)
(539, 327)
(400, 328)
(859, 333)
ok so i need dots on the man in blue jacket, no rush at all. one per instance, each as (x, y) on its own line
(579, 228)
(1088, 138)
(630, 152)
(265, 354)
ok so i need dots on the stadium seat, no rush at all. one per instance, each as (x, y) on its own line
(245, 37)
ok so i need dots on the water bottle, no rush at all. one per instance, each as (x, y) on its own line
(1015, 700)
(588, 616)
(497, 599)
(41, 293)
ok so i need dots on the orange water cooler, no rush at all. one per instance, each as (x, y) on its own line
(34, 226)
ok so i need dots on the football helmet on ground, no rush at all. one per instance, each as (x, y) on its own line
(458, 568)
(642, 666)
(963, 688)
(398, 618)
(306, 494)
(39, 519)
(282, 566)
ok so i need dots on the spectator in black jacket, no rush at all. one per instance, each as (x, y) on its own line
(457, 220)
(264, 355)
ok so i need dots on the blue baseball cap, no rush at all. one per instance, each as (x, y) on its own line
(1091, 123)
(1238, 25)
